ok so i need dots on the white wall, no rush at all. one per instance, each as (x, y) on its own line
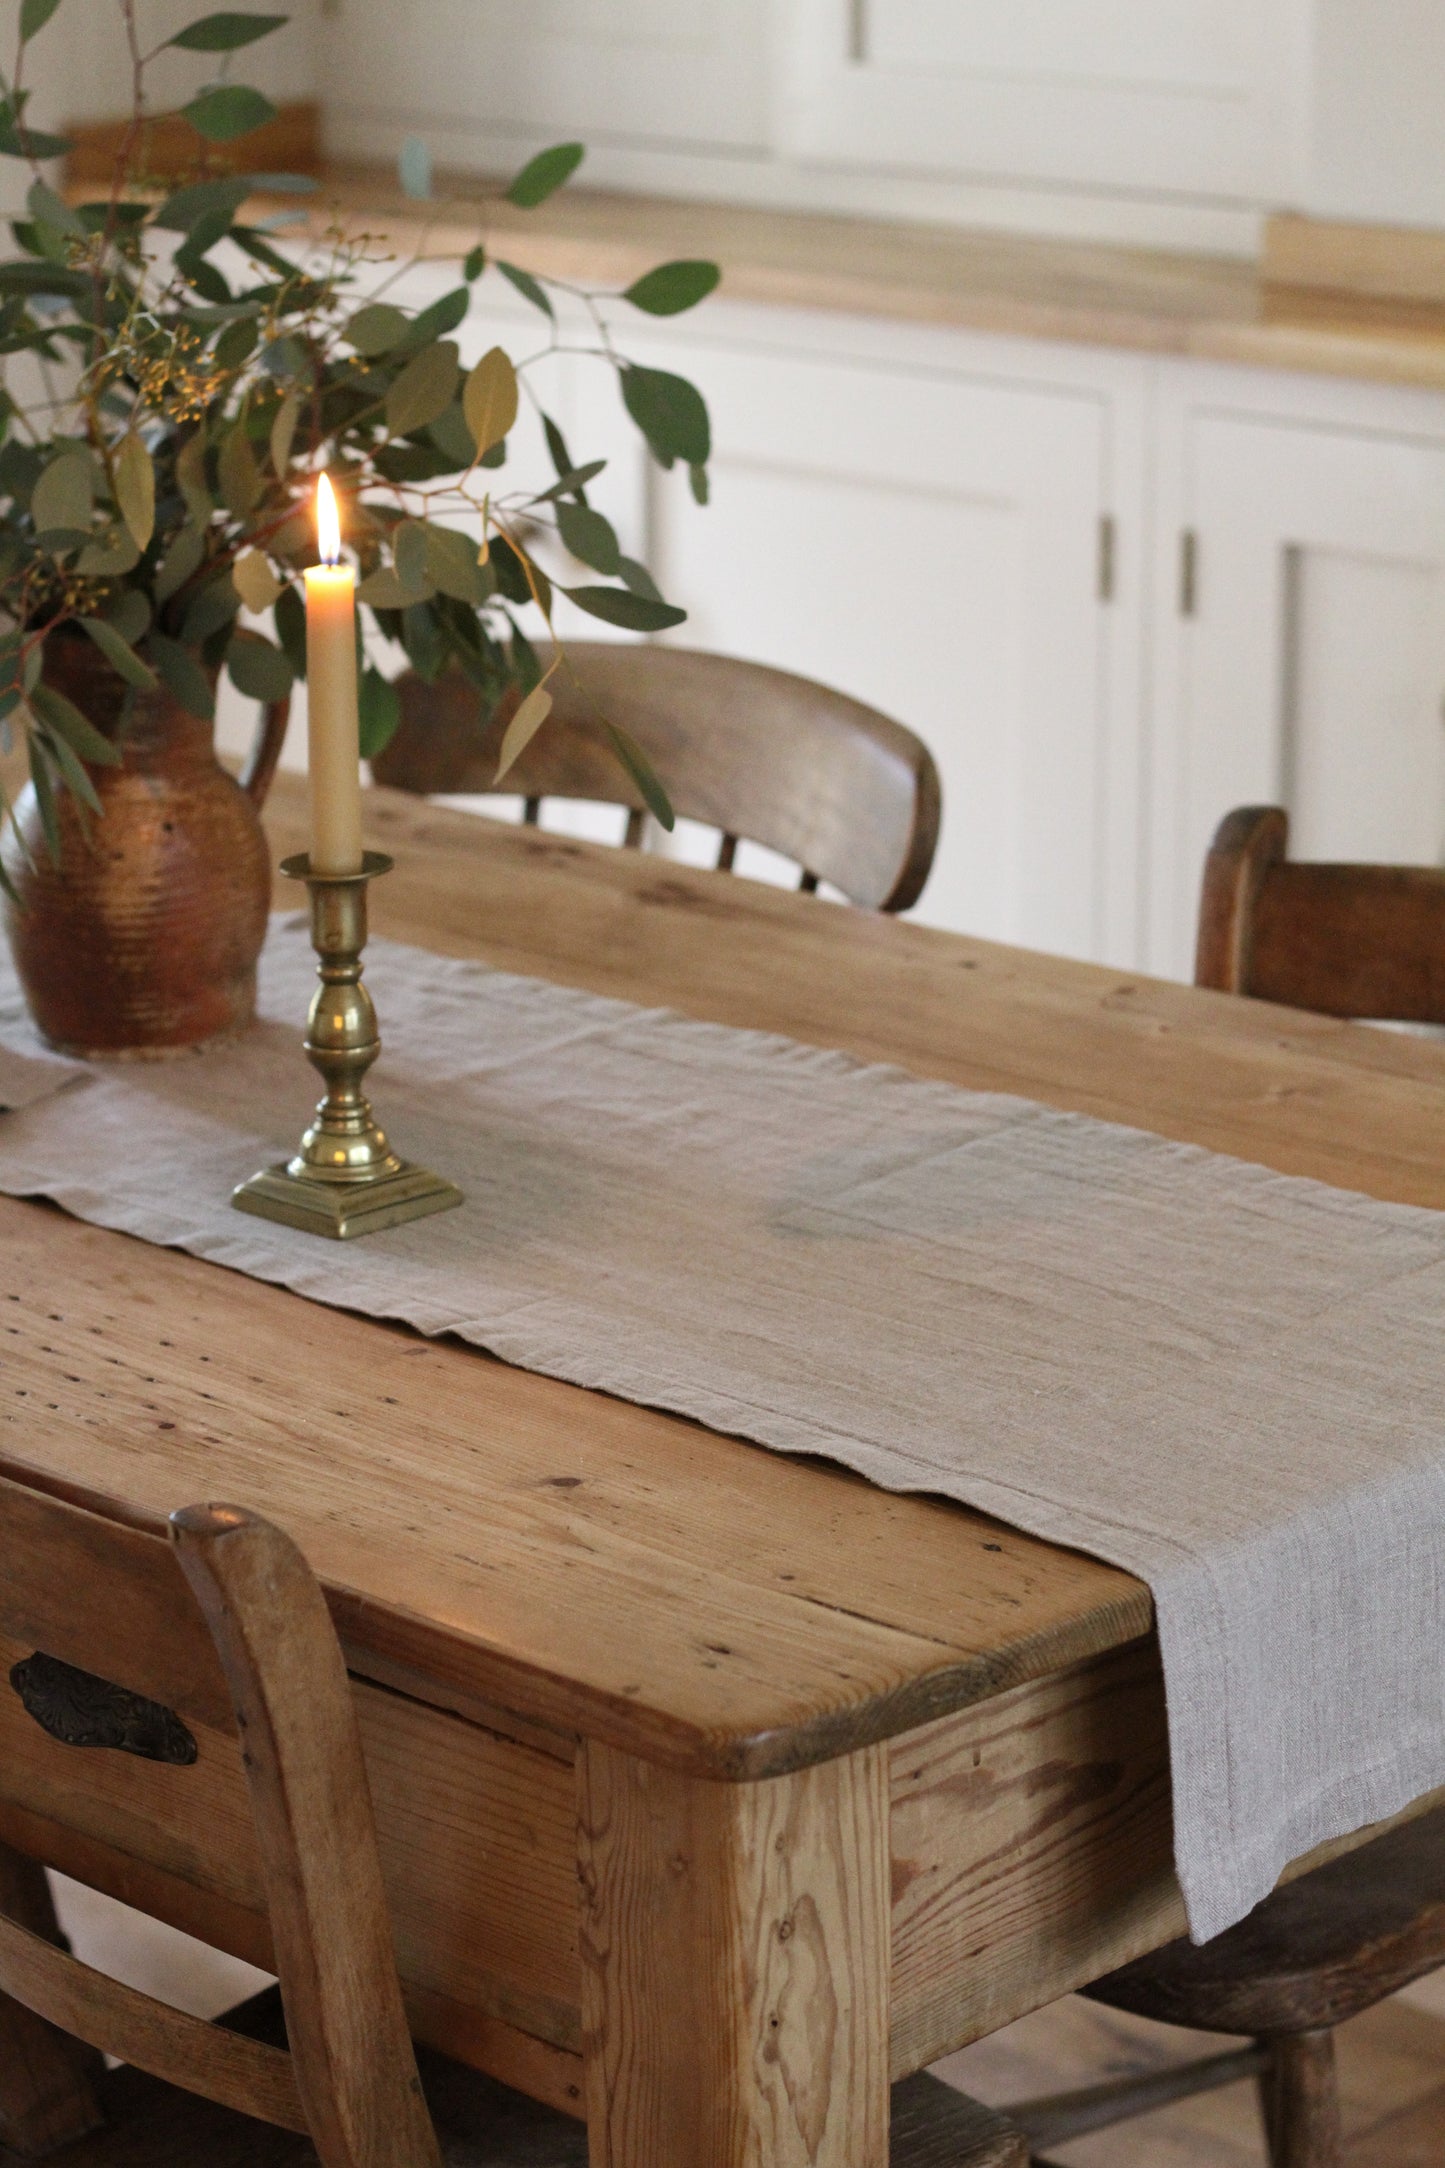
(79, 69)
(1378, 112)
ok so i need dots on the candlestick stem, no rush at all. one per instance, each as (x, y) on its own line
(345, 1179)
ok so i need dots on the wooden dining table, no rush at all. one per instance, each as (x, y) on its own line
(715, 1787)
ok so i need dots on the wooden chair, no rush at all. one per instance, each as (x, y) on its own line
(850, 797)
(134, 1640)
(1346, 940)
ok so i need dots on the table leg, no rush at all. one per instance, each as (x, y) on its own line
(47, 2080)
(735, 1960)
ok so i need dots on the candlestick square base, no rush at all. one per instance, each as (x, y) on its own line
(344, 1209)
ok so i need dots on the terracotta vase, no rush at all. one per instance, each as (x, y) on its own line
(143, 940)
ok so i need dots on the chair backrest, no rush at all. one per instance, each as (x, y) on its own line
(224, 1626)
(851, 797)
(1347, 940)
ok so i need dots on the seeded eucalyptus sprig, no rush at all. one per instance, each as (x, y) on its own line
(178, 380)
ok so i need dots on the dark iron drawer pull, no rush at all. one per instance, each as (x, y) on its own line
(79, 1709)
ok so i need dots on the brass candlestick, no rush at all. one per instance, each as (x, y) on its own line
(345, 1180)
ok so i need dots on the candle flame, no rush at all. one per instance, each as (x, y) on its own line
(328, 523)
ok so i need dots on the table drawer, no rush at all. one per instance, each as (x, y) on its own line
(478, 1848)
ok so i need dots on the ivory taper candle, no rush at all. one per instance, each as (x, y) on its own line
(333, 725)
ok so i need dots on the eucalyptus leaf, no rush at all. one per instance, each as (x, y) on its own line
(228, 110)
(432, 322)
(376, 329)
(185, 208)
(120, 654)
(52, 210)
(76, 780)
(255, 244)
(528, 287)
(698, 483)
(203, 278)
(284, 358)
(673, 287)
(572, 484)
(424, 389)
(283, 431)
(413, 169)
(257, 669)
(520, 731)
(255, 582)
(452, 567)
(639, 579)
(237, 342)
(66, 721)
(135, 489)
(108, 558)
(184, 675)
(490, 398)
(621, 606)
(290, 620)
(130, 614)
(216, 605)
(409, 551)
(18, 141)
(590, 538)
(383, 590)
(475, 263)
(34, 15)
(226, 32)
(563, 463)
(379, 712)
(44, 797)
(181, 561)
(60, 541)
(43, 278)
(64, 496)
(237, 472)
(424, 641)
(670, 412)
(450, 434)
(545, 173)
(191, 477)
(640, 768)
(295, 538)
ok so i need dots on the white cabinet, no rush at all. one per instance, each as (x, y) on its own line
(1197, 96)
(468, 73)
(1307, 666)
(919, 523)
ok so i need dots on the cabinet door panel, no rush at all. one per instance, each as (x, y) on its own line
(928, 544)
(1194, 95)
(492, 74)
(1311, 672)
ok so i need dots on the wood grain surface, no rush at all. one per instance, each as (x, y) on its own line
(735, 1965)
(1152, 300)
(598, 1567)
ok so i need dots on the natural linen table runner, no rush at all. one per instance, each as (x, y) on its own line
(1226, 1380)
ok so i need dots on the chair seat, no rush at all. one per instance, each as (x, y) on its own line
(932, 2126)
(481, 2123)
(1314, 1953)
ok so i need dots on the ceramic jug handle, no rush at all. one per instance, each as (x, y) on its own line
(270, 737)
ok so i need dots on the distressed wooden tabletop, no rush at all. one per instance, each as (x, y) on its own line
(494, 1539)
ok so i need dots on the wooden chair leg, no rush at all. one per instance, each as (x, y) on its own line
(1300, 2101)
(48, 2081)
